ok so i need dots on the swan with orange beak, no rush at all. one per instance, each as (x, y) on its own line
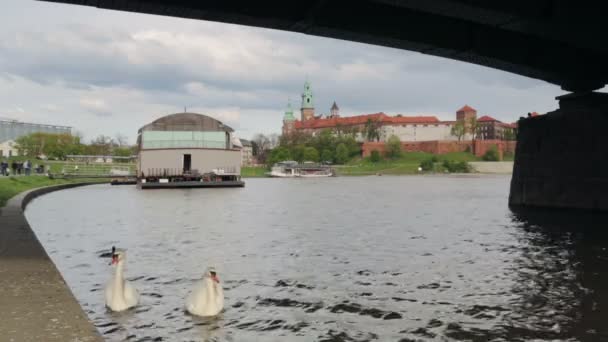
(120, 294)
(207, 297)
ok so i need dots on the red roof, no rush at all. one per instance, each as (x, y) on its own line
(466, 108)
(362, 119)
(486, 118)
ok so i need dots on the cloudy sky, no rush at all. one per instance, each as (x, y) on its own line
(109, 72)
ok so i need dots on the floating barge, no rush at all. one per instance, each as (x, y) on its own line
(191, 180)
(188, 150)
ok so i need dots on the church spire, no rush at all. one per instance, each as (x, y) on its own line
(308, 106)
(288, 112)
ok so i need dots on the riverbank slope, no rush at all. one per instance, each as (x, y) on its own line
(37, 304)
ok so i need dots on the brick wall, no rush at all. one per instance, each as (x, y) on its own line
(442, 147)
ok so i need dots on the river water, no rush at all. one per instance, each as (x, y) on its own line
(340, 259)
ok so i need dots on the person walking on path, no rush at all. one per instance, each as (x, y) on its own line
(3, 167)
(28, 167)
(14, 167)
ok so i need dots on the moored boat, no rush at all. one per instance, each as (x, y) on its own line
(291, 169)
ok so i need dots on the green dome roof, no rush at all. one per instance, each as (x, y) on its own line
(289, 113)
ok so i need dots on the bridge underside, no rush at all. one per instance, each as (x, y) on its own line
(559, 41)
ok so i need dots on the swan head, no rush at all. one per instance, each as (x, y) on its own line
(118, 255)
(212, 274)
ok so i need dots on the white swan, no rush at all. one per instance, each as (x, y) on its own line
(120, 294)
(207, 297)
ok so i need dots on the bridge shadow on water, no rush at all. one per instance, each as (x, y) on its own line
(562, 276)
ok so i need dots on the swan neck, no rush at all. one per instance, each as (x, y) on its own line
(119, 272)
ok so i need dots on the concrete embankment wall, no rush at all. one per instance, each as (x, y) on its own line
(35, 302)
(561, 159)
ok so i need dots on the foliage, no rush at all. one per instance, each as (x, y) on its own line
(393, 147)
(374, 156)
(427, 165)
(455, 167)
(342, 154)
(327, 142)
(278, 154)
(253, 171)
(491, 154)
(509, 134)
(311, 154)
(473, 127)
(261, 146)
(458, 130)
(327, 155)
(297, 153)
(51, 145)
(372, 130)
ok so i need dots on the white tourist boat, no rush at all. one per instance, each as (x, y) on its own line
(291, 169)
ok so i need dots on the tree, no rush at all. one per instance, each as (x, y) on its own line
(374, 156)
(273, 140)
(297, 153)
(342, 154)
(509, 134)
(260, 146)
(55, 146)
(393, 147)
(121, 140)
(327, 155)
(372, 130)
(102, 145)
(311, 154)
(278, 154)
(458, 130)
(473, 129)
(491, 154)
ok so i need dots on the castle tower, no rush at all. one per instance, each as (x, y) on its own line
(466, 113)
(334, 111)
(308, 108)
(289, 120)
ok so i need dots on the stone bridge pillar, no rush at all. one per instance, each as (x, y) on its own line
(561, 158)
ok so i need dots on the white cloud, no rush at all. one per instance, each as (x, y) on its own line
(78, 66)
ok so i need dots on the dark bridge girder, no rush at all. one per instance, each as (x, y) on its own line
(558, 41)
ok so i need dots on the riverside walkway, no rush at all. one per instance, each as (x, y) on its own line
(35, 302)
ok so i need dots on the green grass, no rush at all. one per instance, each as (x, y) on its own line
(253, 171)
(11, 186)
(407, 164)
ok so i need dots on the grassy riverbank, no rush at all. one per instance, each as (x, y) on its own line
(253, 171)
(407, 164)
(11, 186)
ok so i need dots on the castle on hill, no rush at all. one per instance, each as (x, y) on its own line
(406, 128)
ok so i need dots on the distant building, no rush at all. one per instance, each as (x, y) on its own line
(11, 130)
(489, 128)
(8, 148)
(246, 152)
(187, 143)
(406, 128)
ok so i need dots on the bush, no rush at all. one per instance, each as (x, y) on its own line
(393, 147)
(327, 156)
(341, 153)
(428, 164)
(491, 154)
(456, 167)
(375, 156)
(311, 154)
